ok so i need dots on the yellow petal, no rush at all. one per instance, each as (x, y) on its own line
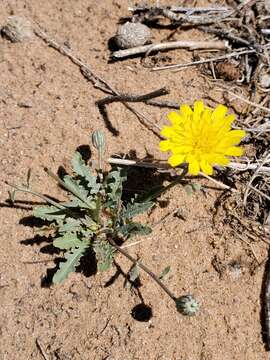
(206, 167)
(185, 110)
(180, 149)
(231, 138)
(175, 118)
(198, 107)
(234, 151)
(165, 145)
(175, 160)
(217, 159)
(219, 113)
(167, 131)
(193, 167)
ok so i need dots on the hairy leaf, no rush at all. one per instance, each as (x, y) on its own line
(136, 208)
(72, 261)
(49, 213)
(83, 171)
(70, 225)
(67, 241)
(79, 191)
(104, 255)
(114, 182)
(134, 228)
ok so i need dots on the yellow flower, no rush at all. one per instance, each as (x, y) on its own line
(202, 138)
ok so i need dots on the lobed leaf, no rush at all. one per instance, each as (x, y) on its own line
(83, 171)
(134, 228)
(114, 183)
(67, 241)
(49, 213)
(70, 225)
(80, 192)
(72, 261)
(104, 255)
(136, 208)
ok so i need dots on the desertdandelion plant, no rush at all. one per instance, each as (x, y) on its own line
(201, 137)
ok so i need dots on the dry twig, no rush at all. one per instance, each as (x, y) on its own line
(191, 45)
(199, 62)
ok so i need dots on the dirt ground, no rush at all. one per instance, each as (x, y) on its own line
(47, 110)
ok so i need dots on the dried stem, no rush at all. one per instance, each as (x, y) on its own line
(132, 98)
(191, 45)
(199, 62)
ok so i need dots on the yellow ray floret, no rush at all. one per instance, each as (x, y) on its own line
(201, 137)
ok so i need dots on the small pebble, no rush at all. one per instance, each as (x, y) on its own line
(131, 35)
(17, 29)
(265, 80)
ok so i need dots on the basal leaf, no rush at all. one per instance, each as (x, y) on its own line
(79, 191)
(83, 171)
(134, 228)
(136, 208)
(67, 241)
(104, 255)
(72, 261)
(70, 225)
(49, 213)
(114, 182)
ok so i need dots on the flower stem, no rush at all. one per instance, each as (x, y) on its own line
(143, 267)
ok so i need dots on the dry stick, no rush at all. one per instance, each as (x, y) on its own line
(253, 178)
(244, 100)
(179, 9)
(245, 167)
(144, 268)
(132, 98)
(96, 80)
(260, 192)
(165, 166)
(191, 45)
(42, 351)
(158, 165)
(199, 62)
(194, 20)
(267, 303)
(160, 103)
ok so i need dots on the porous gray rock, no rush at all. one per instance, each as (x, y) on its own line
(17, 29)
(131, 35)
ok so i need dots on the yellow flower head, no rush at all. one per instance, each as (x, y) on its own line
(202, 138)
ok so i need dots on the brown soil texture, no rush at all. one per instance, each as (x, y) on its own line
(48, 110)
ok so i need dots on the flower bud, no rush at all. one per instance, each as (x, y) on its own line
(187, 305)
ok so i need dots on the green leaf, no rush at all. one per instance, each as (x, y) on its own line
(67, 241)
(164, 272)
(196, 186)
(136, 208)
(70, 225)
(83, 171)
(134, 228)
(49, 213)
(72, 261)
(114, 182)
(134, 272)
(79, 191)
(104, 255)
(189, 190)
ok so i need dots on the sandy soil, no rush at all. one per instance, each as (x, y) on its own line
(83, 319)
